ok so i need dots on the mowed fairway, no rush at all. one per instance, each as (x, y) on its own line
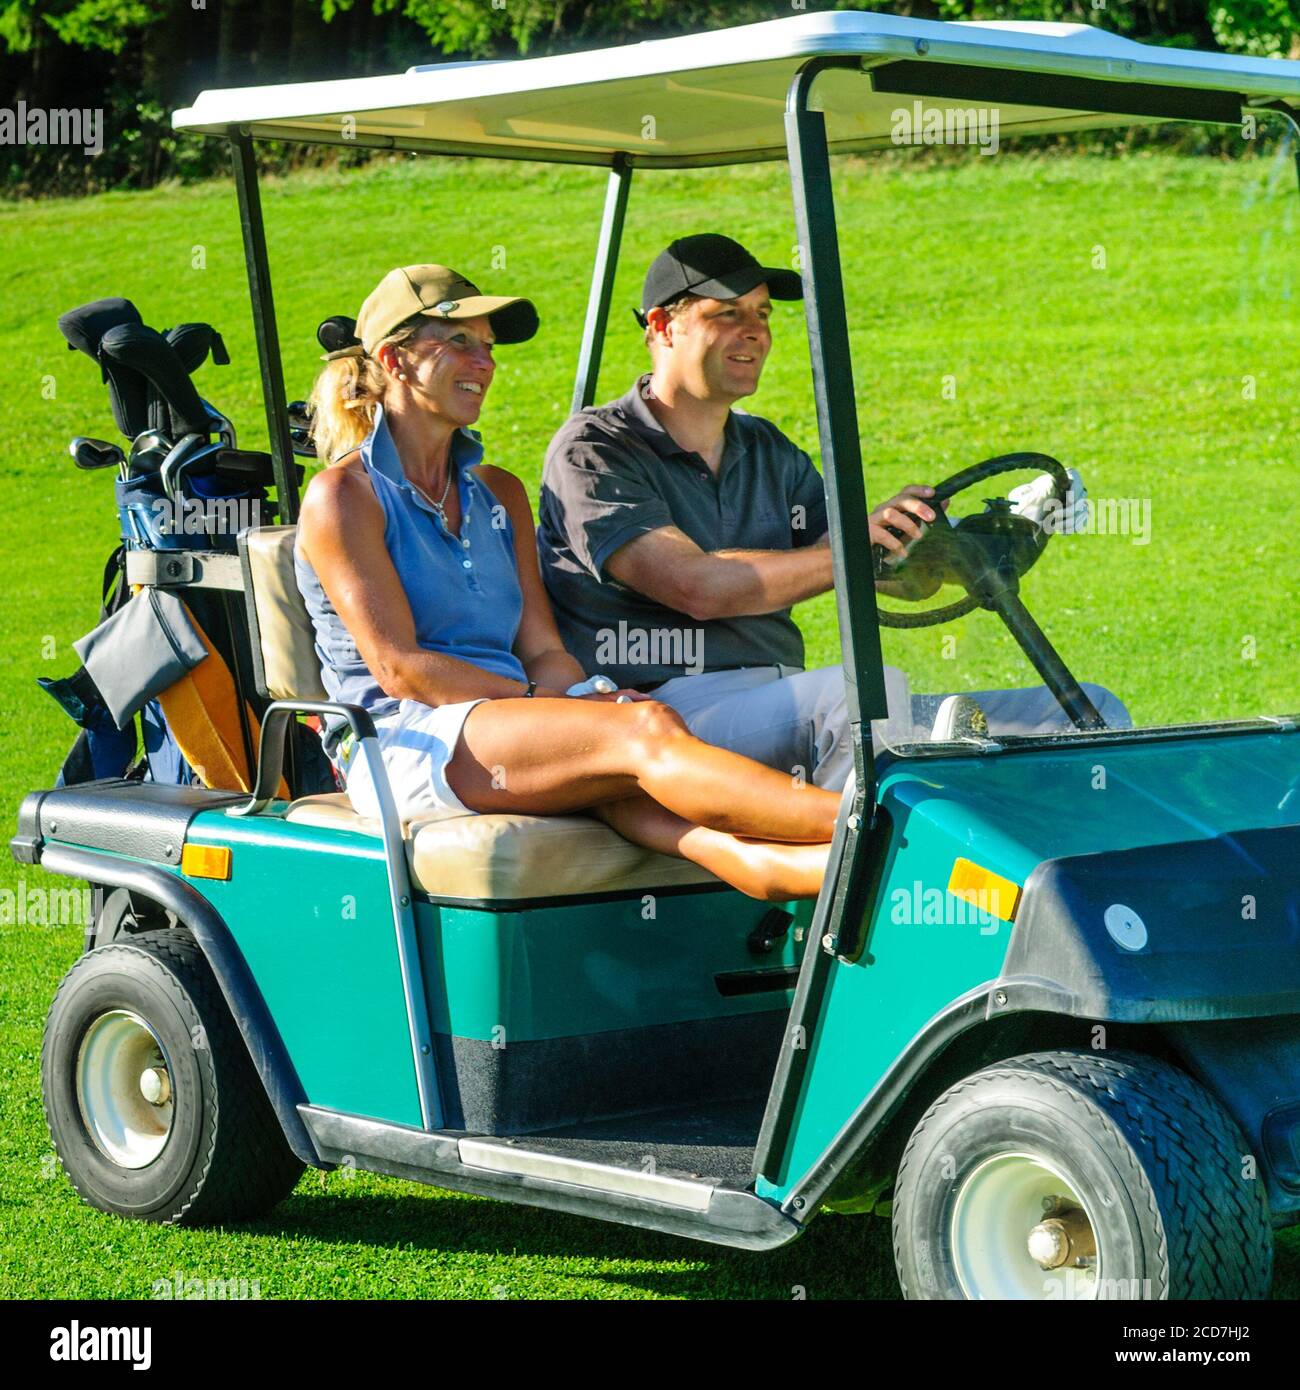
(1135, 318)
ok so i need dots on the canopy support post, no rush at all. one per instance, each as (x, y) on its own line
(837, 421)
(602, 281)
(839, 925)
(268, 340)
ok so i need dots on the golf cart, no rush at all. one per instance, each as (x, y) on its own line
(1091, 1091)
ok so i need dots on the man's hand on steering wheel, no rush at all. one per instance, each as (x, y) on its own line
(907, 512)
(901, 512)
(984, 553)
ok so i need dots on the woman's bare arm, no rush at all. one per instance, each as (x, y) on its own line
(341, 531)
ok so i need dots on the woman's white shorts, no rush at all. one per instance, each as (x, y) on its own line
(417, 742)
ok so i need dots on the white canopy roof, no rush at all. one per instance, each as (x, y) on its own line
(719, 98)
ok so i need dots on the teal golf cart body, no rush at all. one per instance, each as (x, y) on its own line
(1038, 1034)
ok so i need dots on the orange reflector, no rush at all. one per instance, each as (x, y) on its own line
(206, 861)
(990, 892)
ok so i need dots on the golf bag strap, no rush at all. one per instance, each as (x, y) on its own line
(202, 713)
(111, 599)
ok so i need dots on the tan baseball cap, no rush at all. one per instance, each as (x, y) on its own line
(439, 293)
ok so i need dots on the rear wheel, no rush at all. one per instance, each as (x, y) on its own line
(152, 1102)
(1080, 1175)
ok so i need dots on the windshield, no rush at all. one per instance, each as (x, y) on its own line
(1131, 318)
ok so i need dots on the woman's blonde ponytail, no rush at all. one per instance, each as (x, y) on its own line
(343, 402)
(345, 395)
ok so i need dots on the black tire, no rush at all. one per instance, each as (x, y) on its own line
(1158, 1164)
(224, 1155)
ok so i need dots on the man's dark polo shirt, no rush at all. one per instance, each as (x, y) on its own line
(613, 473)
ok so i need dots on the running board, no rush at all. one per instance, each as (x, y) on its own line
(493, 1167)
(500, 1157)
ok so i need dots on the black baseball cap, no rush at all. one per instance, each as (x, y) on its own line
(714, 267)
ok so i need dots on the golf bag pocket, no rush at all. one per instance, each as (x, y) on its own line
(145, 647)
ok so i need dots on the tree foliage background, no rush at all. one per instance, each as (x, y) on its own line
(138, 60)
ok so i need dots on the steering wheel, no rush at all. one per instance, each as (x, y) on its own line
(995, 545)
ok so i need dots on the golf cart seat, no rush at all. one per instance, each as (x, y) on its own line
(467, 858)
(512, 857)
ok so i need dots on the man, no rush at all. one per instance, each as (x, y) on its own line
(676, 533)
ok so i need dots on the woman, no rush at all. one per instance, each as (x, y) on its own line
(418, 564)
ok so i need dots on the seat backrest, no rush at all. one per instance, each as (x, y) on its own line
(280, 629)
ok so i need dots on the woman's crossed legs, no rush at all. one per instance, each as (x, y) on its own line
(638, 768)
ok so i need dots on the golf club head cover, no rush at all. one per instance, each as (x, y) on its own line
(193, 341)
(128, 391)
(84, 327)
(338, 336)
(174, 402)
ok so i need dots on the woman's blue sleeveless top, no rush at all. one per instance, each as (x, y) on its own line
(463, 590)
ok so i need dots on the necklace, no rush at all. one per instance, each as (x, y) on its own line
(440, 505)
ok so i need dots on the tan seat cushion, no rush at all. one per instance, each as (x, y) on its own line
(511, 857)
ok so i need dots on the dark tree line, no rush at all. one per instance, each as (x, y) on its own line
(138, 60)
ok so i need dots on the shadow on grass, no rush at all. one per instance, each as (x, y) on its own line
(839, 1257)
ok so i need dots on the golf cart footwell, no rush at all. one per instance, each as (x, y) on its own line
(711, 1142)
(683, 1171)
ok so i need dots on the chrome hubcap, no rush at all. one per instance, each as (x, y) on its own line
(124, 1089)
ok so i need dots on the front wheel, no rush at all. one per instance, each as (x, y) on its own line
(152, 1102)
(1080, 1175)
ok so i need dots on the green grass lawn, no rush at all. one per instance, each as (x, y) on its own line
(1136, 319)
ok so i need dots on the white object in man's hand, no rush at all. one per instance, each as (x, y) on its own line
(597, 685)
(593, 685)
(1037, 502)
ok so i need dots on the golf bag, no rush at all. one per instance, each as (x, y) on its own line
(178, 489)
